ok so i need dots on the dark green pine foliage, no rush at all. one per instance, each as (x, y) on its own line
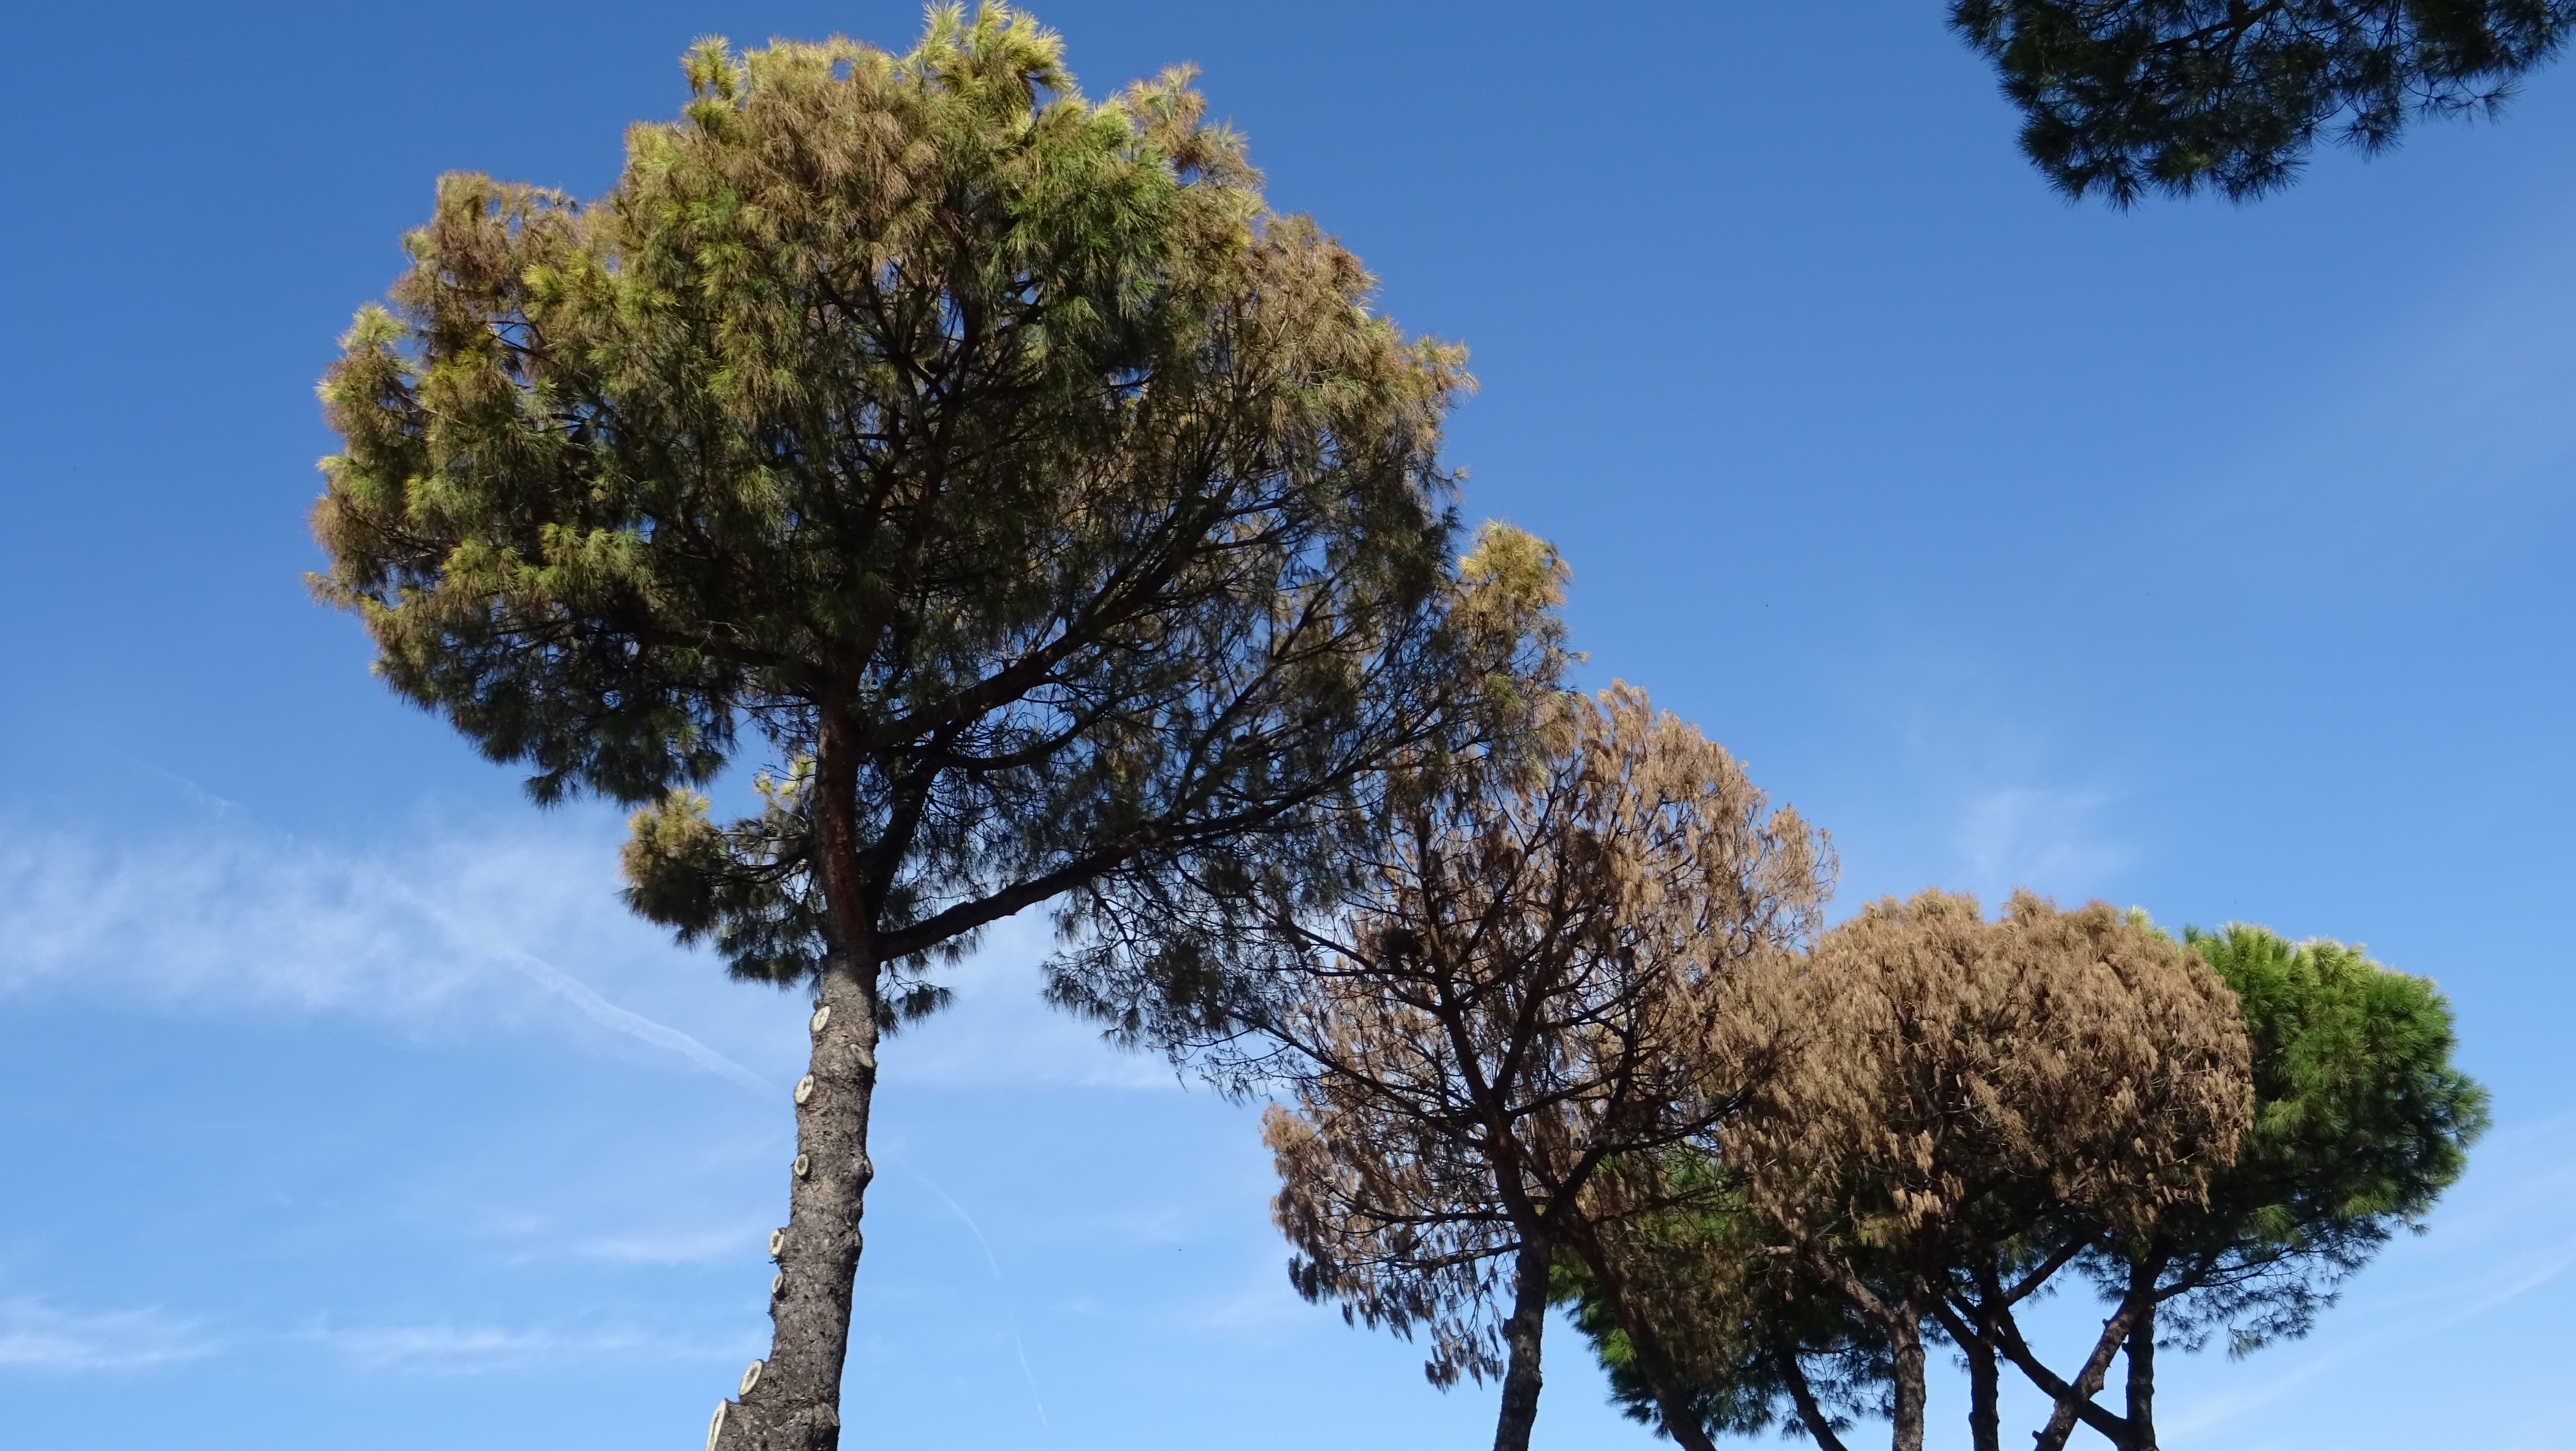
(1761, 1345)
(916, 402)
(2125, 97)
(2361, 1121)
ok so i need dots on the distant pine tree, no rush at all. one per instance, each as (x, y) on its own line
(2361, 1120)
(1529, 982)
(1959, 1108)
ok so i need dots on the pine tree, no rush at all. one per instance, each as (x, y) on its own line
(987, 460)
(1530, 981)
(1959, 1108)
(2361, 1120)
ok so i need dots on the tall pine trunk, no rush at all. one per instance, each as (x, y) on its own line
(791, 1401)
(1907, 1412)
(1645, 1347)
(792, 1398)
(2142, 1367)
(1794, 1376)
(1521, 1336)
(1972, 1328)
(1985, 1416)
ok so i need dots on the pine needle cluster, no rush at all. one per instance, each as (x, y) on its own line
(2122, 98)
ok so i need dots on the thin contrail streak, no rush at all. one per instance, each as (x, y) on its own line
(635, 1025)
(995, 1266)
(594, 1007)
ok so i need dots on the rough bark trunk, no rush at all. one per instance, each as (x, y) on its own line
(1522, 1334)
(1972, 1327)
(1812, 1414)
(791, 1401)
(1985, 1414)
(1906, 1420)
(2088, 1381)
(2142, 1366)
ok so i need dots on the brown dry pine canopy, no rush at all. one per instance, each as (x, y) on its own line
(986, 460)
(1955, 1090)
(1516, 988)
(2361, 1120)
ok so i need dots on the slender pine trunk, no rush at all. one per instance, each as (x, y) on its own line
(1906, 1419)
(1985, 1413)
(1521, 1335)
(1810, 1411)
(2142, 1367)
(2063, 1414)
(1673, 1408)
(1972, 1327)
(791, 1400)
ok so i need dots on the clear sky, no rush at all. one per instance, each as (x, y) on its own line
(2210, 559)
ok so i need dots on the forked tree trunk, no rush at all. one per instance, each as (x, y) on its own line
(2142, 1369)
(2063, 1413)
(1521, 1336)
(791, 1401)
(1972, 1329)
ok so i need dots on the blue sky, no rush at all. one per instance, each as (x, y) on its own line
(2212, 559)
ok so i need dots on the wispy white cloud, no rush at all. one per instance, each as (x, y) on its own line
(447, 929)
(1000, 1029)
(591, 1005)
(2464, 392)
(2047, 839)
(218, 914)
(446, 1348)
(672, 1247)
(35, 1336)
(1998, 801)
(1001, 1287)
